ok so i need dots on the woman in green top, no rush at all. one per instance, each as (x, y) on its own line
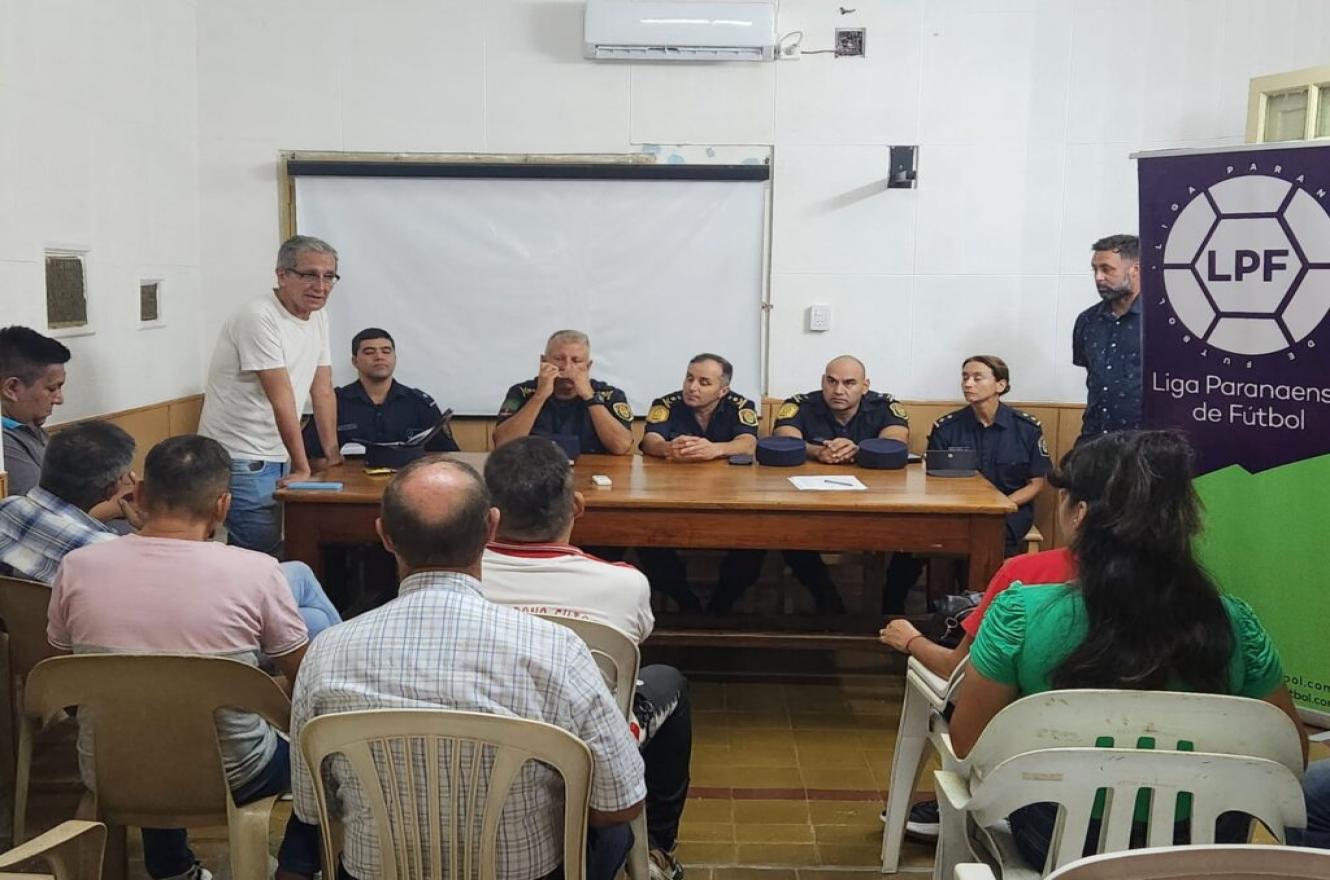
(1141, 615)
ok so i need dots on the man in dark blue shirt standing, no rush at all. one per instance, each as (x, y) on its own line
(1107, 338)
(376, 408)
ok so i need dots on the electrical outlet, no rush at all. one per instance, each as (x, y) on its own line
(851, 41)
(819, 318)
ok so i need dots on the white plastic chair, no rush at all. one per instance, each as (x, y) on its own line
(71, 850)
(403, 797)
(618, 658)
(1231, 753)
(157, 758)
(921, 724)
(1230, 861)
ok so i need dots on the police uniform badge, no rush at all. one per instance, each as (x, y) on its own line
(748, 417)
(899, 411)
(624, 411)
(659, 413)
(788, 410)
(1043, 447)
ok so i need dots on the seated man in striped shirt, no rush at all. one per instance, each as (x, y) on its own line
(85, 465)
(441, 645)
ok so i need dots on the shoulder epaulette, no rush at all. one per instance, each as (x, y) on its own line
(944, 419)
(1022, 414)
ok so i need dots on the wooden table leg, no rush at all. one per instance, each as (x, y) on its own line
(987, 534)
(303, 540)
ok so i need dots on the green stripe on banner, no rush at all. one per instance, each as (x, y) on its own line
(1265, 541)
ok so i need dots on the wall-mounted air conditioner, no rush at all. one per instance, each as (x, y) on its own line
(681, 30)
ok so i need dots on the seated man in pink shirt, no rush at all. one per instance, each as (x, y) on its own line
(170, 589)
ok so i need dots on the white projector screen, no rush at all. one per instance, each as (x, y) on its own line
(470, 276)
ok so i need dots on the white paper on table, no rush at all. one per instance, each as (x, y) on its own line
(1323, 736)
(847, 483)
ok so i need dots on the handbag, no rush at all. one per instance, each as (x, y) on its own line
(945, 625)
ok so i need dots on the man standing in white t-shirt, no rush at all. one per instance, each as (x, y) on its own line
(272, 358)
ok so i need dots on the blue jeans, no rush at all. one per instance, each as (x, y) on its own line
(315, 608)
(1316, 791)
(255, 520)
(166, 851)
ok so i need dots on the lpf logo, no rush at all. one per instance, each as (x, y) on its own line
(1247, 265)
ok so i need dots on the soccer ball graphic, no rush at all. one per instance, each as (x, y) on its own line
(1247, 265)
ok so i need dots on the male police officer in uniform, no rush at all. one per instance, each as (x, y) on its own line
(702, 422)
(1012, 453)
(832, 422)
(376, 408)
(563, 399)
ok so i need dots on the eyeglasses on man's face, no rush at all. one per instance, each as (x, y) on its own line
(328, 278)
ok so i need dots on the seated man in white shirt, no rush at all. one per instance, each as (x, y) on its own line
(530, 565)
(441, 645)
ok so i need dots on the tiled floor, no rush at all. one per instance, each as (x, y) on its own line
(791, 760)
(791, 775)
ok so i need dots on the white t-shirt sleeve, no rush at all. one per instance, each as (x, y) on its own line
(258, 341)
(325, 343)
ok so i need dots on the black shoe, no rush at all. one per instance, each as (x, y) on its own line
(923, 822)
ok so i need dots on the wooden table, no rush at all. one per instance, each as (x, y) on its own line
(714, 505)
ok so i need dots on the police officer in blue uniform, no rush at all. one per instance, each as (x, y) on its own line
(376, 408)
(831, 421)
(563, 399)
(1012, 453)
(703, 421)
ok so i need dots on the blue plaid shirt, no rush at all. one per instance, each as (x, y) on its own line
(38, 529)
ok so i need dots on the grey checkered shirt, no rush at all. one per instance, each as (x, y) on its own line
(440, 644)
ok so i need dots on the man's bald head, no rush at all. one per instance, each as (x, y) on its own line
(839, 365)
(436, 514)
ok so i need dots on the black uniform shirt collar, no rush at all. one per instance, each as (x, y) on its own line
(357, 391)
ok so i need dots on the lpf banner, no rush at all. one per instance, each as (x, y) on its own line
(1235, 280)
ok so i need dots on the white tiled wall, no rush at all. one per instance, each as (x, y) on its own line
(149, 130)
(99, 151)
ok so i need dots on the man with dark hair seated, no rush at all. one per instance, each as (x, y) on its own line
(441, 645)
(531, 566)
(85, 465)
(32, 378)
(376, 408)
(88, 465)
(201, 597)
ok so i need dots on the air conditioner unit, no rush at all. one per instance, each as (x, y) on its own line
(680, 30)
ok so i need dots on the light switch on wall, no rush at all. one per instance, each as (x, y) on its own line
(819, 318)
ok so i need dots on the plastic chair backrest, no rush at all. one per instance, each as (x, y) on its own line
(404, 799)
(1163, 720)
(73, 850)
(155, 747)
(1215, 784)
(614, 652)
(23, 606)
(1228, 861)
